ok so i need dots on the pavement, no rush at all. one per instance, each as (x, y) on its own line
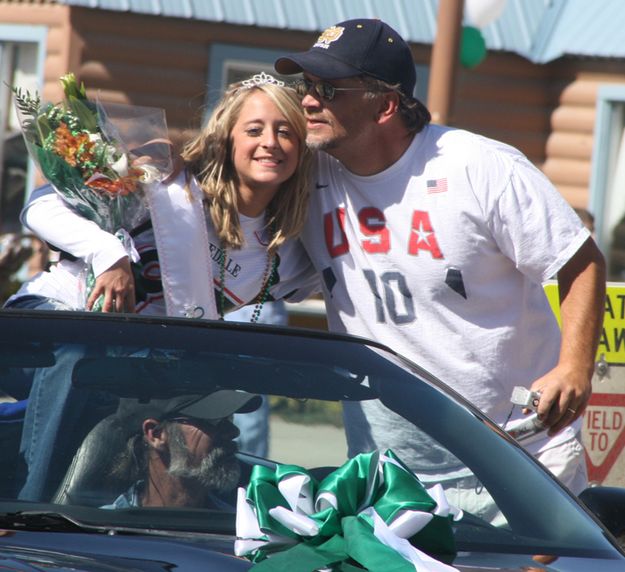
(306, 445)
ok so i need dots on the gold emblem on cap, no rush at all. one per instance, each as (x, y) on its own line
(330, 35)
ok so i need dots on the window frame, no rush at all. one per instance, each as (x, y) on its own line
(609, 98)
(23, 34)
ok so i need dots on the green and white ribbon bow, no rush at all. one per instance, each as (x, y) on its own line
(372, 513)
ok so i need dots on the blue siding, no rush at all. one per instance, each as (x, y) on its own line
(588, 28)
(210, 10)
(300, 15)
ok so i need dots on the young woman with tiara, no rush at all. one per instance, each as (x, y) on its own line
(222, 235)
(223, 226)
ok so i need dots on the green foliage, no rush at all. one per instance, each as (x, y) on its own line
(44, 128)
(29, 107)
(84, 115)
(57, 170)
(38, 122)
(71, 87)
(82, 111)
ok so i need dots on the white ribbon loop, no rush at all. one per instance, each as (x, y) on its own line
(298, 523)
(129, 244)
(297, 491)
(326, 499)
(443, 508)
(420, 560)
(246, 521)
(408, 522)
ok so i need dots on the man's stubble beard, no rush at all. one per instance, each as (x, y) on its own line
(219, 471)
(319, 145)
(316, 142)
(328, 143)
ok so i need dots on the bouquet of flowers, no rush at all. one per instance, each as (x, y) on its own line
(97, 156)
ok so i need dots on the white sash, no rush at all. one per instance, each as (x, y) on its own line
(179, 225)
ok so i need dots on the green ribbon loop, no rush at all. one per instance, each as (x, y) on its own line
(372, 513)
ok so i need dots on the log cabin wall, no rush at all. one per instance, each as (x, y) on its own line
(575, 85)
(146, 61)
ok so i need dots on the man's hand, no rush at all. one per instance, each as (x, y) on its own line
(117, 285)
(564, 397)
(566, 389)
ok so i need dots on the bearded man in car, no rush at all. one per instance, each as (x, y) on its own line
(181, 451)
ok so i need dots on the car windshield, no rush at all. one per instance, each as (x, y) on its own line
(126, 371)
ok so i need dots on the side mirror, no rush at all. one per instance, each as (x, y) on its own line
(608, 505)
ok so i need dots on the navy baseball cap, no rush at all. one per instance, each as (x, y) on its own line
(355, 47)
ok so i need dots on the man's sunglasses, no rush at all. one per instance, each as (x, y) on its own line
(323, 89)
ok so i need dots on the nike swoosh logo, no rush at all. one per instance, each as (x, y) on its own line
(320, 186)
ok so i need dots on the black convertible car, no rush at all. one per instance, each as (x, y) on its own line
(98, 505)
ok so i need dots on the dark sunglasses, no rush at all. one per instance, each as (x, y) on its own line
(323, 89)
(200, 423)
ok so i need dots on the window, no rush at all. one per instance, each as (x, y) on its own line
(21, 64)
(608, 178)
(230, 63)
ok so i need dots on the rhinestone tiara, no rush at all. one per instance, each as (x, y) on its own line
(262, 78)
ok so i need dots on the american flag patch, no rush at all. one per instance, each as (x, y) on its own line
(436, 186)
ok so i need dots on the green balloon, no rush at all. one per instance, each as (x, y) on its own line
(472, 47)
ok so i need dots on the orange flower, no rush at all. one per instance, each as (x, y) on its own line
(76, 150)
(121, 186)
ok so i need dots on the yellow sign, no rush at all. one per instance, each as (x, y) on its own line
(603, 431)
(612, 341)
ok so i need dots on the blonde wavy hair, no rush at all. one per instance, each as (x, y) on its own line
(208, 157)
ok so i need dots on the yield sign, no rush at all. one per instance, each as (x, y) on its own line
(603, 435)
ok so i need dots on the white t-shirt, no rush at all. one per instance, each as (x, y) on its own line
(441, 257)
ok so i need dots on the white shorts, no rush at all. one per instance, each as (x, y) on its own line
(568, 463)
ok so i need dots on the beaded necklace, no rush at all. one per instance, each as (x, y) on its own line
(267, 283)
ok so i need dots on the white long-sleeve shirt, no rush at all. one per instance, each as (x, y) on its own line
(48, 216)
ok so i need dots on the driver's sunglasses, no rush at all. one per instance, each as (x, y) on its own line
(323, 89)
(199, 423)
